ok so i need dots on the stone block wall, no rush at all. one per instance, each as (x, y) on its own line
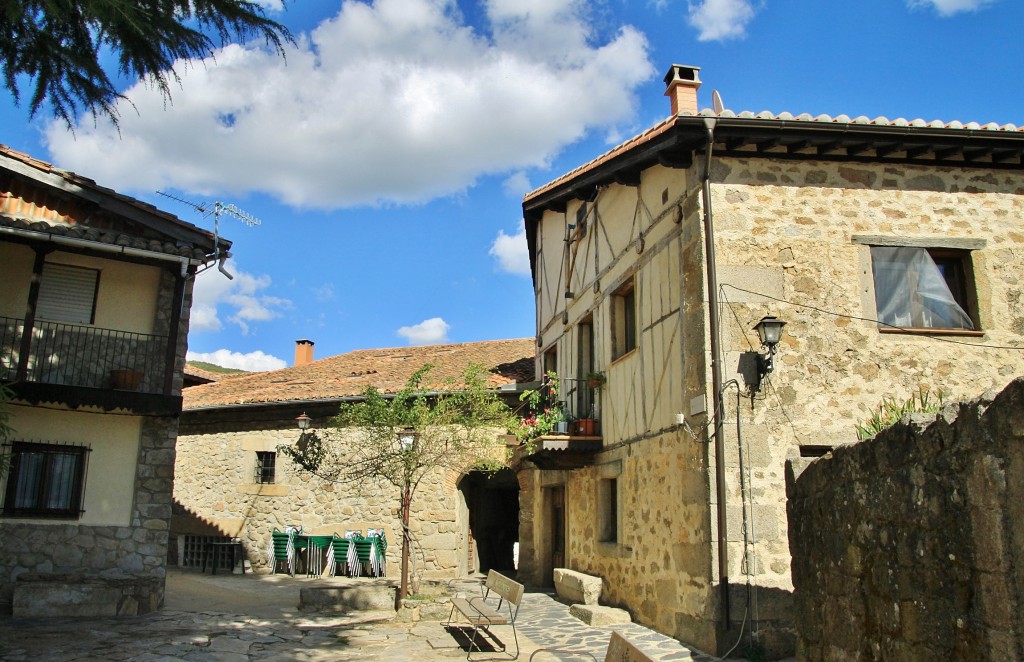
(910, 545)
(137, 549)
(214, 490)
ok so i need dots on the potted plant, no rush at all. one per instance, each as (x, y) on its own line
(595, 379)
(125, 379)
(545, 412)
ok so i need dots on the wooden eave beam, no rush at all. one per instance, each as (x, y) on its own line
(891, 148)
(675, 159)
(1004, 155)
(976, 154)
(797, 146)
(765, 145)
(918, 151)
(948, 152)
(857, 148)
(628, 177)
(829, 147)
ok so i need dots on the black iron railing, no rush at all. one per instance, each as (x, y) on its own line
(75, 355)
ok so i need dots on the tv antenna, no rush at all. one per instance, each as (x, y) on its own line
(215, 209)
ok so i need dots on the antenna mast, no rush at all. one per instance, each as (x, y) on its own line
(215, 209)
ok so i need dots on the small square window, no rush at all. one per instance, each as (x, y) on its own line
(45, 480)
(266, 465)
(608, 510)
(922, 288)
(623, 334)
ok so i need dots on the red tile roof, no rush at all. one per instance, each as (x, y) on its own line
(346, 375)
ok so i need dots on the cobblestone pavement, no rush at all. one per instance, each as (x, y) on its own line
(198, 623)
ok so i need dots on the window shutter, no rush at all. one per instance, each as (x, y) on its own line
(67, 294)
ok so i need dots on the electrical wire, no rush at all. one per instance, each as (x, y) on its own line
(875, 321)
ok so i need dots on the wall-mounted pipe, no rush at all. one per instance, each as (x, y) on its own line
(716, 373)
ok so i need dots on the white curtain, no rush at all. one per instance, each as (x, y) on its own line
(911, 292)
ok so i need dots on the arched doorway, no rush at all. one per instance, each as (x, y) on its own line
(490, 522)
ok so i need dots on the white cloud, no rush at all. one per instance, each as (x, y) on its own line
(396, 101)
(721, 19)
(242, 297)
(512, 252)
(950, 7)
(253, 361)
(427, 332)
(517, 185)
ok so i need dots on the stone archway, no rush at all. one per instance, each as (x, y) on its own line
(490, 505)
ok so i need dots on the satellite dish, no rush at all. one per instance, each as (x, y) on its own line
(716, 102)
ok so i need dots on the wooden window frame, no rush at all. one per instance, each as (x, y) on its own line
(624, 319)
(18, 449)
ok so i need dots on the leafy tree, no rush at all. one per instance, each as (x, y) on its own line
(5, 429)
(402, 439)
(57, 44)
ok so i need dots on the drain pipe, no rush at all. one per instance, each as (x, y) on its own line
(716, 374)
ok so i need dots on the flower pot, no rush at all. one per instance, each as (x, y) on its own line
(586, 427)
(562, 427)
(126, 380)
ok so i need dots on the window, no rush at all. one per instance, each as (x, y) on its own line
(923, 288)
(45, 480)
(266, 463)
(585, 401)
(67, 294)
(608, 510)
(623, 320)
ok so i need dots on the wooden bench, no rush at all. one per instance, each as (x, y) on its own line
(482, 615)
(620, 649)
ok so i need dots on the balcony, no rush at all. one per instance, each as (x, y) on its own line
(86, 366)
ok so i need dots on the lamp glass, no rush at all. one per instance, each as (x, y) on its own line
(303, 421)
(769, 330)
(407, 439)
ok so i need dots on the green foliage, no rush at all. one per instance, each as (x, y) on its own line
(543, 410)
(456, 427)
(213, 367)
(57, 45)
(5, 428)
(891, 410)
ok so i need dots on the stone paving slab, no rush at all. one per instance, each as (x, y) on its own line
(279, 631)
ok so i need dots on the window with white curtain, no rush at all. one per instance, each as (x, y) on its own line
(922, 288)
(45, 480)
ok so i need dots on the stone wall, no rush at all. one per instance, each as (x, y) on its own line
(139, 547)
(215, 492)
(793, 240)
(910, 545)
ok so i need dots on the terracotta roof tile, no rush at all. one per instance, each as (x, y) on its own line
(387, 369)
(666, 124)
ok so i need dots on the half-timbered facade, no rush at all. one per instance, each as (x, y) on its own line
(892, 249)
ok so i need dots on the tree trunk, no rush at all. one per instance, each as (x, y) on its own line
(403, 587)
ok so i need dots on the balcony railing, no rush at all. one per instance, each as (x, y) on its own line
(85, 356)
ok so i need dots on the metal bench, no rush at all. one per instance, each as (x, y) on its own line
(483, 615)
(620, 649)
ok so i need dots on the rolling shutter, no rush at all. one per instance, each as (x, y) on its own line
(67, 294)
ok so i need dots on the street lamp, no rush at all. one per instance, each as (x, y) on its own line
(303, 421)
(769, 330)
(407, 439)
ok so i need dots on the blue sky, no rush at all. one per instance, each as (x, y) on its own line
(387, 156)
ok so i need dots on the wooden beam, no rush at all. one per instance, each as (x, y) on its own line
(829, 147)
(677, 158)
(886, 150)
(1004, 155)
(628, 177)
(948, 152)
(859, 148)
(920, 150)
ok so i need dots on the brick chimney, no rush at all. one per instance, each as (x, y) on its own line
(303, 352)
(681, 83)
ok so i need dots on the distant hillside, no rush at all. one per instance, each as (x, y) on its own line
(211, 367)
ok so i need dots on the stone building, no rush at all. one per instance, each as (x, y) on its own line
(94, 314)
(892, 249)
(231, 482)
